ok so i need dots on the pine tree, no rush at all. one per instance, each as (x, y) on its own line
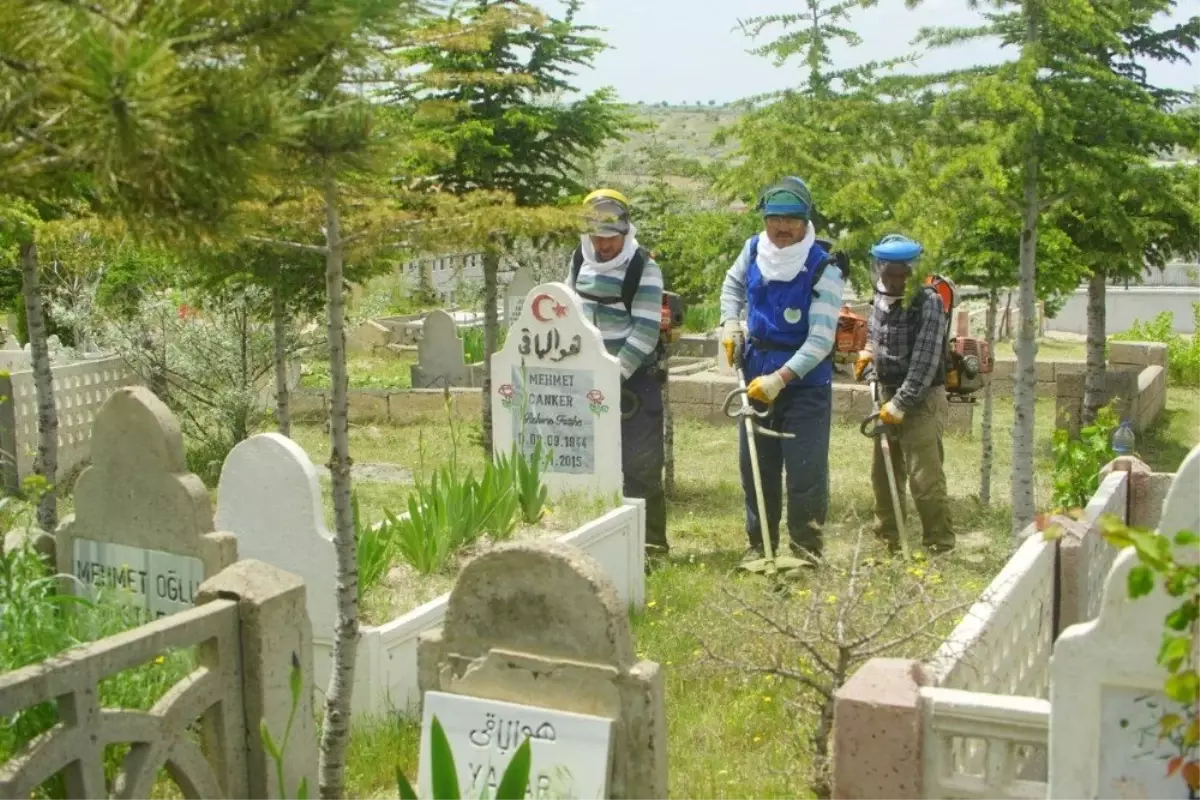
(159, 114)
(509, 131)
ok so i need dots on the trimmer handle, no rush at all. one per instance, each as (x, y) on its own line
(879, 428)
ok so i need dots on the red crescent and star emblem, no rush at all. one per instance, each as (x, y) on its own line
(559, 309)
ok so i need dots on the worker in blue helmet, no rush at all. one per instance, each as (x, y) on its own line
(905, 354)
(790, 289)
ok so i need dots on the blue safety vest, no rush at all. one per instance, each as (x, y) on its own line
(777, 319)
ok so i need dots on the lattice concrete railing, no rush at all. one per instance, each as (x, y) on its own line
(79, 391)
(999, 732)
(211, 764)
(204, 730)
(1003, 643)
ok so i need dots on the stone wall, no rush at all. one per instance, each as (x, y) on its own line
(698, 396)
(1136, 380)
(702, 397)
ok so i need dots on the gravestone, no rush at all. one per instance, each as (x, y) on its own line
(142, 522)
(440, 359)
(1113, 731)
(270, 499)
(538, 628)
(555, 383)
(518, 289)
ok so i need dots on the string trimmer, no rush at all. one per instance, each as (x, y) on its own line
(882, 432)
(771, 566)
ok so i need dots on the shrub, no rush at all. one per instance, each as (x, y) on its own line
(1183, 352)
(473, 342)
(1077, 461)
(701, 319)
(374, 547)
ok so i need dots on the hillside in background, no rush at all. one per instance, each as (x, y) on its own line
(683, 133)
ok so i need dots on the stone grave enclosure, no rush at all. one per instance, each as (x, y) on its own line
(1109, 729)
(539, 626)
(270, 498)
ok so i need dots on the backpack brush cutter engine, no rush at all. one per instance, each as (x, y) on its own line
(968, 359)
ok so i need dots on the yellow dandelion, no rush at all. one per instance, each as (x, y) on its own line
(831, 599)
(757, 739)
(766, 698)
(652, 604)
(159, 660)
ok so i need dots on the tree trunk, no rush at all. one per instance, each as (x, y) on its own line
(491, 335)
(283, 411)
(985, 427)
(1024, 499)
(1095, 382)
(335, 730)
(668, 430)
(46, 461)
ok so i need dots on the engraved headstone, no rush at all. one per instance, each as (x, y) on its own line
(1113, 730)
(535, 633)
(142, 523)
(555, 383)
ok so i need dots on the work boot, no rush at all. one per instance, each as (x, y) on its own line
(753, 554)
(656, 556)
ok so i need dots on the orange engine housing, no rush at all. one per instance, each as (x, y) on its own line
(975, 355)
(851, 332)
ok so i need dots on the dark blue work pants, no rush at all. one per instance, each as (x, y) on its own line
(805, 411)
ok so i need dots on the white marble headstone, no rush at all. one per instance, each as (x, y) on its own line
(570, 752)
(555, 382)
(269, 497)
(1108, 737)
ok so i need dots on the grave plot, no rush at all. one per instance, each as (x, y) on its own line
(269, 484)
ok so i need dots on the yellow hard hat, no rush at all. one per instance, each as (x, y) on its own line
(609, 194)
(608, 212)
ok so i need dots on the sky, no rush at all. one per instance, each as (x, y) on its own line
(686, 51)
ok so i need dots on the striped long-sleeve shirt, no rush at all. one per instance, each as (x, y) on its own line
(822, 314)
(631, 337)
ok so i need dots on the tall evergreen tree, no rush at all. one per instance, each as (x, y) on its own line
(158, 113)
(508, 129)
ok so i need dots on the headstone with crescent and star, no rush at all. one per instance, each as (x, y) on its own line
(554, 383)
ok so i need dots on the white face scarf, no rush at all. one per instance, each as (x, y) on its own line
(784, 264)
(623, 258)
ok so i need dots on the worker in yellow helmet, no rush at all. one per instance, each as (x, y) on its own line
(621, 290)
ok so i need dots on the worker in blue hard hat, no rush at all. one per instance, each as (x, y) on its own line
(905, 354)
(790, 288)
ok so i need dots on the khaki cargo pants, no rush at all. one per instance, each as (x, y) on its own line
(917, 457)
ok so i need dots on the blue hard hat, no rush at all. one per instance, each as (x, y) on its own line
(897, 248)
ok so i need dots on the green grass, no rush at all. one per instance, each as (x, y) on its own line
(1049, 350)
(366, 372)
(732, 734)
(743, 725)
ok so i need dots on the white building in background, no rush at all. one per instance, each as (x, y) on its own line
(456, 278)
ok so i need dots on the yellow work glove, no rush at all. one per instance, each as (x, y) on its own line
(766, 388)
(891, 414)
(860, 366)
(733, 339)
